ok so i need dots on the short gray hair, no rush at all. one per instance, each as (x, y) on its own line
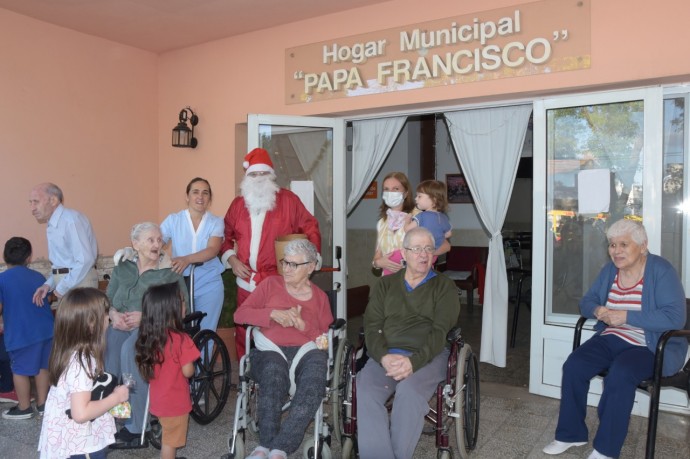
(302, 247)
(418, 231)
(140, 228)
(53, 190)
(624, 227)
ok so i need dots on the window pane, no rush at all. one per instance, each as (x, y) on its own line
(306, 154)
(673, 190)
(594, 178)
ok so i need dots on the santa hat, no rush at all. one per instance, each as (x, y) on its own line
(257, 160)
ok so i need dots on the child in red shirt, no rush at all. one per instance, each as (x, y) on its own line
(165, 357)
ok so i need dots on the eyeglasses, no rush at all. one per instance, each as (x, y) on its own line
(418, 250)
(292, 264)
(258, 173)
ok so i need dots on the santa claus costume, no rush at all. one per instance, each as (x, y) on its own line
(255, 220)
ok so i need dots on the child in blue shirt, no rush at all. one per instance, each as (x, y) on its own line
(28, 328)
(432, 200)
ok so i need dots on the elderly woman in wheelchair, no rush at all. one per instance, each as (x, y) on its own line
(291, 315)
(405, 326)
(135, 271)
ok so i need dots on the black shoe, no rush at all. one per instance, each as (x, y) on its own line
(16, 413)
(125, 439)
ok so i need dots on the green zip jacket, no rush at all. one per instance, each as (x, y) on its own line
(126, 288)
(416, 321)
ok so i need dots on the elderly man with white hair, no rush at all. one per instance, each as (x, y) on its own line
(72, 246)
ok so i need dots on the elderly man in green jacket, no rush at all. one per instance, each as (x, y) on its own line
(405, 325)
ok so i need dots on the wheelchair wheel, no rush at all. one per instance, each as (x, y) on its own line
(156, 433)
(252, 408)
(339, 383)
(210, 385)
(348, 449)
(467, 401)
(308, 450)
(239, 448)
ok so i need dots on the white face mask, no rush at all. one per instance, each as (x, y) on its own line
(392, 198)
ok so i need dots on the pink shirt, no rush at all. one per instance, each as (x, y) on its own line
(271, 294)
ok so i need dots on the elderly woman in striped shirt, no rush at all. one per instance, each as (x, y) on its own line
(635, 298)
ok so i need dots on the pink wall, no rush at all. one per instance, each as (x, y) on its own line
(96, 117)
(227, 79)
(81, 112)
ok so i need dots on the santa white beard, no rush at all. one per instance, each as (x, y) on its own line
(259, 193)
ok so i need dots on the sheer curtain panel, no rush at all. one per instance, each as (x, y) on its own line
(372, 140)
(488, 143)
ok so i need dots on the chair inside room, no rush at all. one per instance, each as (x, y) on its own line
(517, 248)
(680, 380)
(466, 266)
(357, 299)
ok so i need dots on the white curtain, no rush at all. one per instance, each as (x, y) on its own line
(372, 140)
(313, 149)
(488, 143)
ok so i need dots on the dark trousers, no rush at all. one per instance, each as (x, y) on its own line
(6, 383)
(271, 371)
(627, 366)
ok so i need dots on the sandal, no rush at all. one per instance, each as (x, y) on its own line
(277, 454)
(259, 453)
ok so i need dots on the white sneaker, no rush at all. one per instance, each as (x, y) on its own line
(558, 447)
(597, 455)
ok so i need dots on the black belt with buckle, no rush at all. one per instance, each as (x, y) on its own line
(60, 270)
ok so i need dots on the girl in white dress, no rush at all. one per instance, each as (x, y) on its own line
(75, 362)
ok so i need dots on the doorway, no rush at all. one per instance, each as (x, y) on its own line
(423, 150)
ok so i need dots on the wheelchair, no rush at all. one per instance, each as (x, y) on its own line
(318, 447)
(454, 407)
(210, 384)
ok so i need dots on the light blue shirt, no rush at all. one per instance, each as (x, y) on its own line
(71, 244)
(186, 241)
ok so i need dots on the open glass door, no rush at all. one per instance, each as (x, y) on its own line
(311, 150)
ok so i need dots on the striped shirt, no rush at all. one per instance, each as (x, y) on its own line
(626, 299)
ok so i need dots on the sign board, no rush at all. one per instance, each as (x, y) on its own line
(529, 39)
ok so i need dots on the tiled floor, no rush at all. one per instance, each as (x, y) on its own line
(513, 423)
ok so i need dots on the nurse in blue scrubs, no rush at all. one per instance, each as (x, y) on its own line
(196, 236)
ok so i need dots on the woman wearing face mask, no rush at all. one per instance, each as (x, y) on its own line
(398, 202)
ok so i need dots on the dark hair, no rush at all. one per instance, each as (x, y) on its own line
(17, 251)
(161, 312)
(199, 179)
(437, 192)
(79, 329)
(408, 203)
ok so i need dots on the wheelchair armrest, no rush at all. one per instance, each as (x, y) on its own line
(454, 335)
(337, 324)
(195, 316)
(577, 337)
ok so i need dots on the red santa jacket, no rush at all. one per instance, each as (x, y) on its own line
(289, 216)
